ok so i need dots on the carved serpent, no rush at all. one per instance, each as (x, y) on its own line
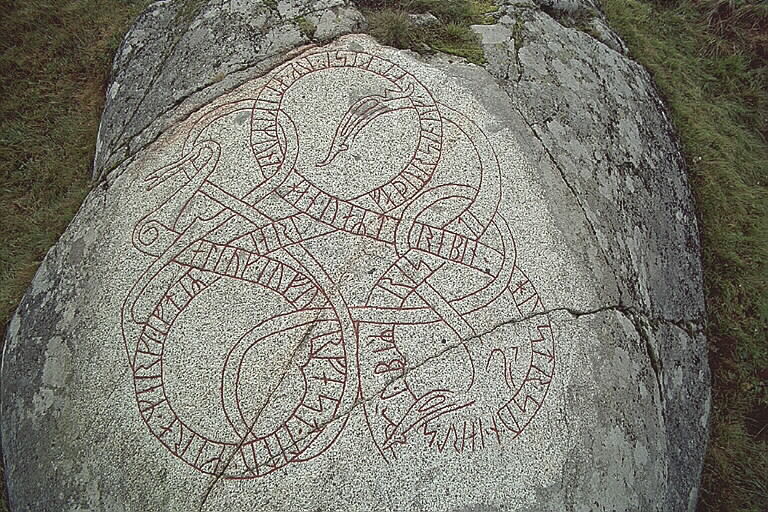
(347, 353)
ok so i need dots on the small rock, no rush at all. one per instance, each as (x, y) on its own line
(424, 20)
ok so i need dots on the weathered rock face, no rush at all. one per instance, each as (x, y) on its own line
(190, 51)
(347, 277)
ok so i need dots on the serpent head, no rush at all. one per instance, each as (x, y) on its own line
(360, 114)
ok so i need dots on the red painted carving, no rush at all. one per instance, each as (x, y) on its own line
(420, 354)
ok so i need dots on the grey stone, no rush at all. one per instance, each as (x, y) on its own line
(185, 53)
(600, 30)
(354, 278)
(423, 20)
(572, 6)
(600, 123)
(583, 15)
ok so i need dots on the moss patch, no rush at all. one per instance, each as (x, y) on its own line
(306, 27)
(392, 23)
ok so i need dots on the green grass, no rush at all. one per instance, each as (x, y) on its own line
(306, 27)
(55, 58)
(708, 58)
(390, 24)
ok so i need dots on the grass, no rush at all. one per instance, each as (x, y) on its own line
(55, 58)
(54, 63)
(390, 22)
(709, 60)
(306, 27)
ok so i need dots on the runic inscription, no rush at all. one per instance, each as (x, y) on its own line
(450, 349)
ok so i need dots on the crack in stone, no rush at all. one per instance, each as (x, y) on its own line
(149, 88)
(286, 368)
(279, 57)
(519, 40)
(628, 312)
(104, 175)
(568, 184)
(691, 327)
(643, 323)
(359, 401)
(653, 356)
